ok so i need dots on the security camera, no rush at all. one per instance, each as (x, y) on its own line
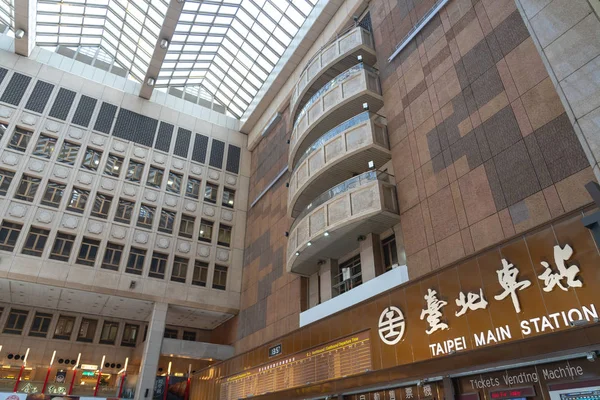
(591, 356)
(578, 322)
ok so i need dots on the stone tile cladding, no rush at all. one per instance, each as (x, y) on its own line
(270, 303)
(482, 147)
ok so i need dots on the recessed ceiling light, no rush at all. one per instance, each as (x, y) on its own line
(326, 234)
(309, 244)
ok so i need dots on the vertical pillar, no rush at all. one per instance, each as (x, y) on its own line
(325, 271)
(448, 388)
(313, 290)
(25, 19)
(151, 354)
(371, 261)
(400, 250)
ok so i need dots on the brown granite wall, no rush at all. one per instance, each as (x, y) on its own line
(270, 304)
(482, 147)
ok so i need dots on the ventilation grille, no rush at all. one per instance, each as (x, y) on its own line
(135, 127)
(105, 117)
(15, 89)
(163, 139)
(216, 154)
(200, 148)
(39, 96)
(62, 104)
(182, 144)
(84, 111)
(233, 159)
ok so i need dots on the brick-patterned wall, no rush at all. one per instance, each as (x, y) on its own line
(270, 304)
(482, 147)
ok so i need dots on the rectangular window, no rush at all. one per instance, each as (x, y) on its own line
(224, 235)
(220, 277)
(193, 188)
(113, 166)
(210, 193)
(3, 128)
(174, 182)
(36, 241)
(189, 336)
(146, 216)
(200, 273)
(15, 322)
(20, 139)
(134, 171)
(101, 206)
(6, 178)
(78, 200)
(167, 220)
(45, 146)
(40, 325)
(206, 230)
(28, 188)
(87, 330)
(130, 335)
(155, 177)
(228, 197)
(112, 256)
(124, 211)
(186, 227)
(88, 252)
(180, 266)
(53, 194)
(68, 153)
(349, 277)
(91, 159)
(390, 252)
(109, 332)
(135, 263)
(158, 265)
(9, 233)
(170, 333)
(63, 244)
(64, 327)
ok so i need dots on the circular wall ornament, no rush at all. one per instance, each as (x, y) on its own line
(95, 227)
(45, 217)
(5, 112)
(76, 133)
(227, 215)
(52, 126)
(230, 180)
(70, 222)
(204, 251)
(184, 247)
(171, 201)
(107, 184)
(36, 165)
(141, 237)
(163, 243)
(118, 146)
(196, 170)
(391, 325)
(139, 152)
(86, 179)
(18, 210)
(209, 211)
(159, 158)
(151, 196)
(28, 119)
(191, 206)
(129, 190)
(98, 140)
(61, 172)
(222, 255)
(10, 159)
(214, 175)
(118, 232)
(177, 164)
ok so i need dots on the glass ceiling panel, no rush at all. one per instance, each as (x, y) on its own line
(229, 47)
(7, 12)
(126, 30)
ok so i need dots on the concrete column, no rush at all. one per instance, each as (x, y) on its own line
(325, 271)
(371, 260)
(313, 290)
(25, 19)
(448, 389)
(151, 354)
(400, 250)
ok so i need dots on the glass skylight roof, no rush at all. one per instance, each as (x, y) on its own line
(7, 13)
(226, 48)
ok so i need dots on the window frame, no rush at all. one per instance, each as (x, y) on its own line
(174, 178)
(205, 226)
(187, 222)
(40, 239)
(46, 318)
(21, 318)
(200, 270)
(212, 199)
(25, 135)
(130, 342)
(64, 238)
(389, 250)
(92, 324)
(172, 218)
(47, 151)
(180, 266)
(133, 260)
(105, 202)
(68, 153)
(196, 187)
(155, 177)
(88, 261)
(230, 201)
(11, 229)
(113, 327)
(32, 185)
(135, 174)
(53, 189)
(78, 200)
(65, 336)
(113, 161)
(6, 178)
(222, 234)
(116, 254)
(124, 207)
(218, 274)
(162, 263)
(146, 221)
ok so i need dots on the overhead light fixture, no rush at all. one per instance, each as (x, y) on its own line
(359, 58)
(365, 106)
(326, 234)
(164, 44)
(297, 253)
(309, 244)
(151, 81)
(19, 34)
(371, 164)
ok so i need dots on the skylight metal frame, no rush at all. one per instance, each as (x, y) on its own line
(7, 13)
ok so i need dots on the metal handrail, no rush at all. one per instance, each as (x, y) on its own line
(354, 182)
(341, 77)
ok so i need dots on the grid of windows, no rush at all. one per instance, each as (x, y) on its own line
(390, 252)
